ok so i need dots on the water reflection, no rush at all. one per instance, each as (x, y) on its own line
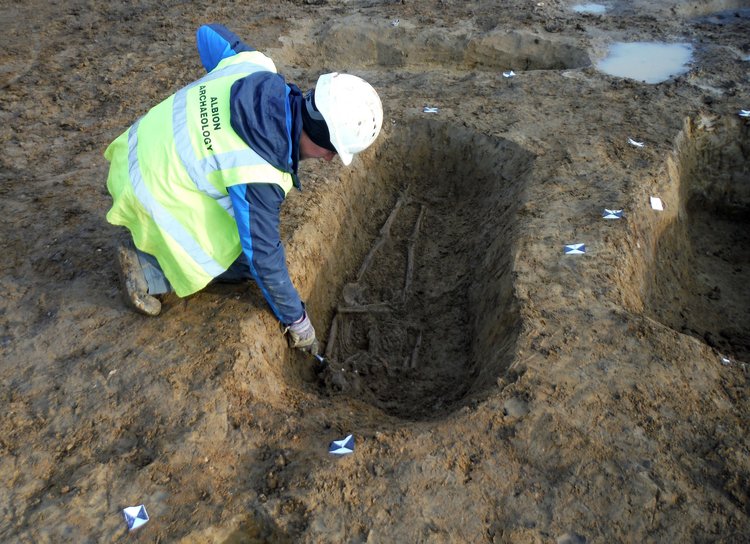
(651, 62)
(594, 9)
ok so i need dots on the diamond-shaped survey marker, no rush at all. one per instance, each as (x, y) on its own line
(632, 142)
(135, 516)
(575, 249)
(656, 203)
(612, 214)
(342, 447)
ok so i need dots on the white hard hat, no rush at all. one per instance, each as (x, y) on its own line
(352, 111)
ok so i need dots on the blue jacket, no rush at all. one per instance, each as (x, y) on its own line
(265, 113)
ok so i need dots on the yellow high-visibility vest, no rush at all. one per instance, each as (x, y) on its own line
(169, 174)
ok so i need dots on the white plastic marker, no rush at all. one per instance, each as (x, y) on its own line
(656, 203)
(632, 142)
(430, 109)
(343, 446)
(575, 249)
(745, 113)
(612, 214)
(509, 73)
(135, 516)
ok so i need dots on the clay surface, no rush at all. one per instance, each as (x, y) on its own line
(498, 389)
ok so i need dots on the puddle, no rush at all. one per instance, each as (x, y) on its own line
(650, 62)
(590, 9)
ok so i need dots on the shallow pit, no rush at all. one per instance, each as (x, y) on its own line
(426, 321)
(358, 42)
(727, 17)
(695, 8)
(702, 258)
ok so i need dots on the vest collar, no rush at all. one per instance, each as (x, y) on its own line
(267, 114)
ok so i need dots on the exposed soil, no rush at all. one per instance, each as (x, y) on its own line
(498, 389)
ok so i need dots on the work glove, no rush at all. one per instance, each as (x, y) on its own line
(302, 335)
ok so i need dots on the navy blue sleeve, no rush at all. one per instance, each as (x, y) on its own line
(256, 210)
(216, 42)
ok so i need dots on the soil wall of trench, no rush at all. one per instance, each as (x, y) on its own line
(411, 274)
(693, 275)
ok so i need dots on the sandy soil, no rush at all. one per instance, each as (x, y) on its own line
(498, 390)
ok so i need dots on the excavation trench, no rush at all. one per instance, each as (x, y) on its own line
(358, 42)
(426, 320)
(702, 258)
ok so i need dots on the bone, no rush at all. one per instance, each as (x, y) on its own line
(365, 309)
(410, 253)
(415, 352)
(385, 232)
(332, 337)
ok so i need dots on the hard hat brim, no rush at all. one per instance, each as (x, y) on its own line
(346, 158)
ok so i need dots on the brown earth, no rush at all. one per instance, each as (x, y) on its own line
(498, 390)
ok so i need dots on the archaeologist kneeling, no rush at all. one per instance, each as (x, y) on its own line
(199, 179)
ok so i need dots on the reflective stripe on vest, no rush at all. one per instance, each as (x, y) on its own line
(162, 217)
(200, 168)
(178, 207)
